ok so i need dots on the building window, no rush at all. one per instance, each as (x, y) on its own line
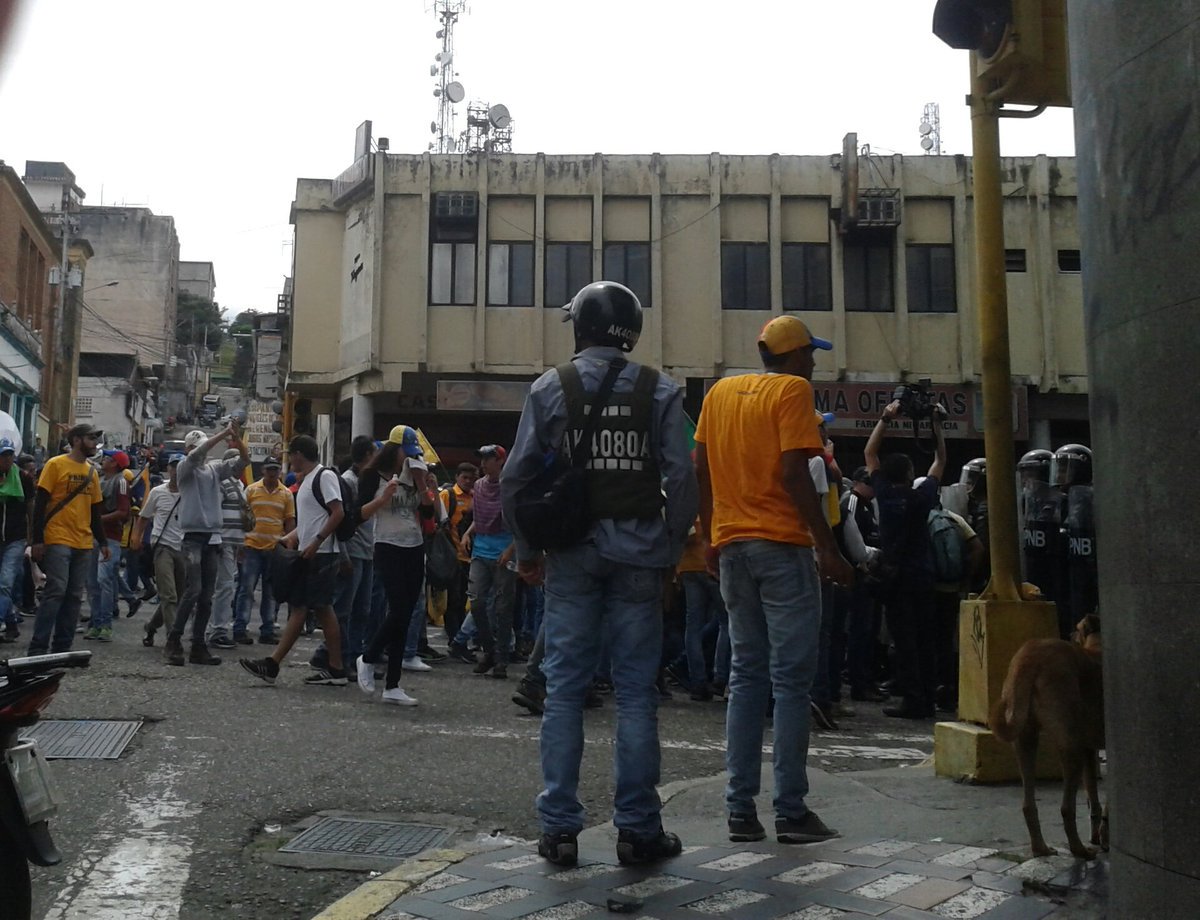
(629, 264)
(867, 274)
(568, 268)
(806, 279)
(454, 231)
(510, 275)
(83, 405)
(1069, 261)
(1014, 260)
(745, 276)
(452, 273)
(931, 279)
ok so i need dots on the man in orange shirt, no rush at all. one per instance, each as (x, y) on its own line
(761, 512)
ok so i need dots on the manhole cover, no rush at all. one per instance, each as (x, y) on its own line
(82, 739)
(356, 837)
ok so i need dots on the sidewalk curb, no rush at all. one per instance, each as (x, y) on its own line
(369, 898)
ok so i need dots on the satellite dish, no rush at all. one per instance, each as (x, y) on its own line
(927, 143)
(433, 70)
(455, 92)
(437, 90)
(439, 33)
(433, 127)
(926, 128)
(498, 115)
(444, 57)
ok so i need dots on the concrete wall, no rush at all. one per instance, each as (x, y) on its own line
(102, 401)
(685, 206)
(198, 278)
(141, 251)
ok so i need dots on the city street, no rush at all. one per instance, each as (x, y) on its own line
(183, 824)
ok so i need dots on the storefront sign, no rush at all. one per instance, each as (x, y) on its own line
(481, 395)
(859, 405)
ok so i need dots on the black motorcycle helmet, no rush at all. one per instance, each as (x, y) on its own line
(1073, 465)
(605, 313)
(1036, 465)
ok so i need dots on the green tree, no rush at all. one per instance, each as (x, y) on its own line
(242, 331)
(194, 318)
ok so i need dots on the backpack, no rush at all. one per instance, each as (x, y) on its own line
(353, 515)
(948, 566)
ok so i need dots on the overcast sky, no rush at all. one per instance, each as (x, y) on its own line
(210, 111)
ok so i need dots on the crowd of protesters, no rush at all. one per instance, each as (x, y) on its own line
(789, 582)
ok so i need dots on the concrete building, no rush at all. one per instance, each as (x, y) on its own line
(32, 369)
(118, 395)
(427, 287)
(199, 279)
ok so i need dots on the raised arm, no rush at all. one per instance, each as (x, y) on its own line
(871, 453)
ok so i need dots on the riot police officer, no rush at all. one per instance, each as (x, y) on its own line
(973, 477)
(1073, 474)
(642, 500)
(1041, 531)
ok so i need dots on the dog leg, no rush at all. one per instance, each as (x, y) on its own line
(1026, 751)
(1073, 761)
(1091, 770)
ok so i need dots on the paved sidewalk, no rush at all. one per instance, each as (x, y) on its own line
(913, 846)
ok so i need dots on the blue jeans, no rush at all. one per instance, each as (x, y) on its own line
(102, 585)
(359, 625)
(774, 601)
(702, 600)
(588, 596)
(256, 566)
(12, 571)
(66, 571)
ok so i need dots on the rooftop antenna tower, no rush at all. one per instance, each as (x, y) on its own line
(446, 88)
(931, 129)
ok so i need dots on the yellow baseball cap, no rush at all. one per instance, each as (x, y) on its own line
(787, 333)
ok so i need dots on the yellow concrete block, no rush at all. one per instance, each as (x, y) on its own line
(989, 634)
(969, 752)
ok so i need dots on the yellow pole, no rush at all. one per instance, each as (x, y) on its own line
(993, 336)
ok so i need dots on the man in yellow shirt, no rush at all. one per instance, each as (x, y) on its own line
(274, 510)
(760, 511)
(66, 527)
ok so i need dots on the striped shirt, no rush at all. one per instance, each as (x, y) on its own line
(271, 510)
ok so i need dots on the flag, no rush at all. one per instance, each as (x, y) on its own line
(431, 455)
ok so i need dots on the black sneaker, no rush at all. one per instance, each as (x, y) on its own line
(821, 717)
(149, 594)
(430, 655)
(531, 695)
(500, 672)
(633, 850)
(745, 828)
(134, 605)
(485, 664)
(222, 641)
(148, 638)
(326, 677)
(268, 639)
(461, 653)
(809, 829)
(242, 639)
(200, 654)
(560, 849)
(264, 668)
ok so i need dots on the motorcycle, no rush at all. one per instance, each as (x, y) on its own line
(28, 798)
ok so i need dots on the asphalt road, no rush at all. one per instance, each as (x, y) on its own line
(183, 824)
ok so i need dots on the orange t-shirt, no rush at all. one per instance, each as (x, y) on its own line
(746, 425)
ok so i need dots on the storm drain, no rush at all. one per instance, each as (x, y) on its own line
(358, 837)
(82, 739)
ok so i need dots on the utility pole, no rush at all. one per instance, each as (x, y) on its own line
(60, 412)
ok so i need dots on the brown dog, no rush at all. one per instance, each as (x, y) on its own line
(1053, 689)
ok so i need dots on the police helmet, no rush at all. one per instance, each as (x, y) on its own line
(1036, 464)
(606, 313)
(973, 472)
(1073, 465)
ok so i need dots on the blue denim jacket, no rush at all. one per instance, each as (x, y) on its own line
(654, 543)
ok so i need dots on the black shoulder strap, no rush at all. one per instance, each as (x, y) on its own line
(316, 490)
(75, 493)
(572, 387)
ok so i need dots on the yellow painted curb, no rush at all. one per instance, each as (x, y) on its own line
(369, 898)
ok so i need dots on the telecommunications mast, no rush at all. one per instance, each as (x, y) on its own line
(930, 129)
(446, 88)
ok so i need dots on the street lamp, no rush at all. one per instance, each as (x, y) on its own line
(104, 285)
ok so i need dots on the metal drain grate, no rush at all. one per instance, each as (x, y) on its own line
(82, 739)
(356, 837)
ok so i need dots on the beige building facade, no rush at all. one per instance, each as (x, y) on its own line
(427, 287)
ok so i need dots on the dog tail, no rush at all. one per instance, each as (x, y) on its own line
(1013, 705)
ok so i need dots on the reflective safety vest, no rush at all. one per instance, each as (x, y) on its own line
(623, 477)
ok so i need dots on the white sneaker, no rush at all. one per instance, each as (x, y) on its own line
(399, 697)
(366, 675)
(416, 664)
